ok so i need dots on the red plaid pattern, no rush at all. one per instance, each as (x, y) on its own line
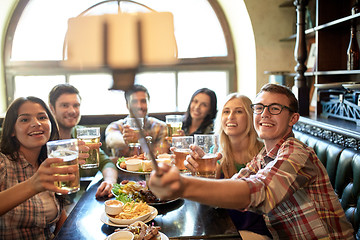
(291, 187)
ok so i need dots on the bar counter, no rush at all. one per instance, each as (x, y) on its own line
(180, 219)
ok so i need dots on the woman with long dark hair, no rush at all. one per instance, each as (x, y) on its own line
(29, 207)
(201, 112)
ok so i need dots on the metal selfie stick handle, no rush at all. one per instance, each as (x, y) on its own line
(145, 145)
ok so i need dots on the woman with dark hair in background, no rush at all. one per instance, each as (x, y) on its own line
(201, 112)
(29, 208)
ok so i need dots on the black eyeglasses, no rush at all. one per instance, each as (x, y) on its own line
(274, 108)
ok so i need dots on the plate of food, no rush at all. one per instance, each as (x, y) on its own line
(134, 213)
(139, 164)
(134, 164)
(143, 231)
(127, 191)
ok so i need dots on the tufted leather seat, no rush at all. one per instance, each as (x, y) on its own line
(343, 167)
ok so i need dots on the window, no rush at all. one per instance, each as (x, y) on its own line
(35, 39)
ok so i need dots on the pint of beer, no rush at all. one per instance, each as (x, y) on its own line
(180, 156)
(91, 137)
(134, 142)
(67, 150)
(207, 166)
(182, 149)
(209, 143)
(174, 123)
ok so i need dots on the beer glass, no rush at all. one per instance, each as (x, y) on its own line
(91, 137)
(132, 123)
(210, 145)
(181, 150)
(174, 123)
(134, 144)
(67, 150)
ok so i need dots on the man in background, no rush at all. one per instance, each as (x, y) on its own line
(118, 133)
(64, 102)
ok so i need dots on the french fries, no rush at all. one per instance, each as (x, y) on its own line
(132, 210)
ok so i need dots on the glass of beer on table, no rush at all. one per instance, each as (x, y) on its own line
(174, 123)
(181, 149)
(210, 145)
(67, 150)
(91, 137)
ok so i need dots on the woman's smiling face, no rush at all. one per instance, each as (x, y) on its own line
(32, 127)
(200, 106)
(234, 118)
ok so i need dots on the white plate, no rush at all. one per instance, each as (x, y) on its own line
(143, 173)
(104, 218)
(162, 236)
(130, 221)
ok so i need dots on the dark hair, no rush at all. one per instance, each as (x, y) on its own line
(59, 90)
(280, 89)
(9, 144)
(213, 109)
(134, 89)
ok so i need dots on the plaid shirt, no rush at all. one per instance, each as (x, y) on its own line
(291, 186)
(27, 220)
(153, 127)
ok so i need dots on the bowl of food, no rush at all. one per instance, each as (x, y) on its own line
(147, 165)
(121, 235)
(113, 207)
(133, 164)
(132, 212)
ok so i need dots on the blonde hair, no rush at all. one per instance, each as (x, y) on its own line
(227, 163)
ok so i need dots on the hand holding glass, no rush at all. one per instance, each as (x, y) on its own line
(132, 124)
(67, 150)
(207, 164)
(181, 150)
(133, 141)
(91, 137)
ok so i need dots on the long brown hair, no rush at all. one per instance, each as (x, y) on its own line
(209, 119)
(255, 144)
(9, 144)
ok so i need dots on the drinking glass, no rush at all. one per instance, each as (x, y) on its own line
(67, 150)
(132, 123)
(181, 150)
(174, 123)
(210, 145)
(134, 144)
(91, 137)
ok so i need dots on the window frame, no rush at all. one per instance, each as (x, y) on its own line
(51, 67)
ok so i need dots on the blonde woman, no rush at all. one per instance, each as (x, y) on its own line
(239, 143)
(238, 138)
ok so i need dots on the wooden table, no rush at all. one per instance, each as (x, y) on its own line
(181, 219)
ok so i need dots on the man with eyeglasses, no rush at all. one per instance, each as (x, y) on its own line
(286, 182)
